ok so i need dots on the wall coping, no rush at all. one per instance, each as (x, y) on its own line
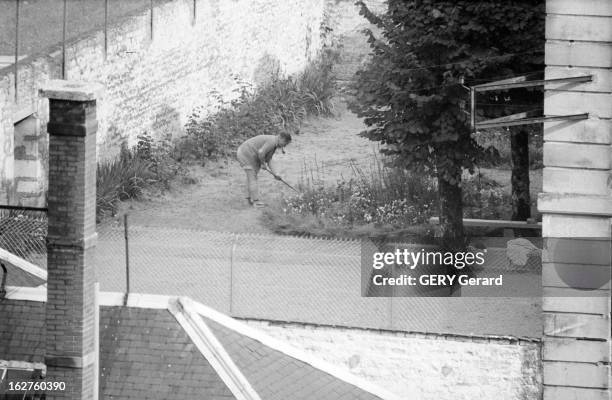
(58, 89)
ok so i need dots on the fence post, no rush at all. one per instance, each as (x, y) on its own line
(64, 27)
(127, 259)
(231, 287)
(15, 67)
(195, 8)
(105, 29)
(151, 21)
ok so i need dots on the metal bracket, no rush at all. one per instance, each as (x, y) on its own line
(524, 118)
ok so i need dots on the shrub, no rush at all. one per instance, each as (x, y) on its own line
(500, 141)
(280, 103)
(120, 179)
(160, 154)
(484, 198)
(382, 201)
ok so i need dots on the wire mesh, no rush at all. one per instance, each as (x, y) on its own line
(24, 233)
(274, 278)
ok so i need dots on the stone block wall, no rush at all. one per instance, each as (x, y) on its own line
(347, 29)
(577, 202)
(156, 69)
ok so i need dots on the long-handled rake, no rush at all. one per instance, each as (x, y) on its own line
(281, 179)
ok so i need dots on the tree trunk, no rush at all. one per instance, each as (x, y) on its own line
(451, 209)
(521, 202)
(451, 219)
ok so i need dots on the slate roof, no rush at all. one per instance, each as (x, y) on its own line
(144, 353)
(19, 277)
(148, 353)
(277, 376)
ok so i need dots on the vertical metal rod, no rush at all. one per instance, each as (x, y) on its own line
(195, 10)
(127, 259)
(231, 279)
(151, 22)
(3, 282)
(105, 29)
(473, 109)
(16, 67)
(65, 24)
(96, 376)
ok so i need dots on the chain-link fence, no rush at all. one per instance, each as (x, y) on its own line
(23, 232)
(278, 278)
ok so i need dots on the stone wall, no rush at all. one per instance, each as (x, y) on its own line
(156, 69)
(420, 366)
(347, 28)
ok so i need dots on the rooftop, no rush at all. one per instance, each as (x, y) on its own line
(163, 347)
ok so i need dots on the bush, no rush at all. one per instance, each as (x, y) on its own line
(123, 178)
(500, 141)
(281, 103)
(384, 201)
(484, 198)
(160, 155)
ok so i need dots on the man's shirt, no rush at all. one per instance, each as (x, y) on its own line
(257, 150)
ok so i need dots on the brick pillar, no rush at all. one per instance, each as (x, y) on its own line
(71, 240)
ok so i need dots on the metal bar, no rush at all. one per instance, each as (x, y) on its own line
(195, 8)
(472, 108)
(151, 21)
(3, 282)
(96, 366)
(20, 208)
(64, 28)
(495, 223)
(105, 29)
(488, 87)
(16, 67)
(528, 121)
(515, 79)
(514, 117)
(127, 260)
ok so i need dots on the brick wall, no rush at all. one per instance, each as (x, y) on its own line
(155, 78)
(423, 366)
(577, 203)
(71, 239)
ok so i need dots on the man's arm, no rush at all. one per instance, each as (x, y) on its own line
(265, 155)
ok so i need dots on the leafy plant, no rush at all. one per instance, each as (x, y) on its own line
(280, 103)
(123, 178)
(374, 201)
(160, 154)
(410, 93)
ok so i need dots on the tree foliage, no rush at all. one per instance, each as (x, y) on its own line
(410, 92)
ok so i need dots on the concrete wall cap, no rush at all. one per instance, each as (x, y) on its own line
(71, 90)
